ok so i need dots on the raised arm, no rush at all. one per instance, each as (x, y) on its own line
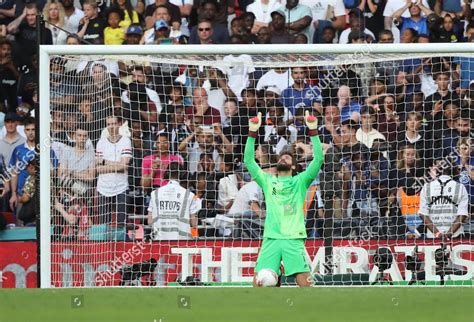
(315, 165)
(249, 152)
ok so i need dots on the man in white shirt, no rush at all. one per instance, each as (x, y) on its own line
(278, 76)
(173, 210)
(356, 20)
(390, 8)
(72, 16)
(325, 13)
(444, 204)
(113, 155)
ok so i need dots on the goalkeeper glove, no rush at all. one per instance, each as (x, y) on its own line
(311, 121)
(255, 122)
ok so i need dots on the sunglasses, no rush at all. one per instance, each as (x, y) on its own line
(204, 29)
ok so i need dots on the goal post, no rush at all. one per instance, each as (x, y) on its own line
(67, 261)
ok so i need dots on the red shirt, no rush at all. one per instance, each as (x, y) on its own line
(158, 180)
(210, 117)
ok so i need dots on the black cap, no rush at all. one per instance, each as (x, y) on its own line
(357, 12)
(11, 117)
(356, 34)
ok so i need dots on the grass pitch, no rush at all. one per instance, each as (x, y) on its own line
(238, 304)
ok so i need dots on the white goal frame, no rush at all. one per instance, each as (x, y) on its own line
(46, 51)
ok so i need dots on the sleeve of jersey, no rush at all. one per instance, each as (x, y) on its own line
(463, 207)
(423, 210)
(127, 149)
(315, 165)
(249, 160)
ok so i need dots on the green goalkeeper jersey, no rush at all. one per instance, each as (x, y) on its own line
(284, 195)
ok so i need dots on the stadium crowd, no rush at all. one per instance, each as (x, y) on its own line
(121, 129)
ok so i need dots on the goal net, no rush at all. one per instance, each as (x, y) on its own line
(152, 188)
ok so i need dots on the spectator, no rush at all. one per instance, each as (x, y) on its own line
(22, 154)
(443, 30)
(73, 15)
(78, 161)
(262, 10)
(201, 108)
(114, 34)
(300, 94)
(73, 39)
(415, 21)
(373, 14)
(208, 10)
(248, 210)
(404, 185)
(130, 16)
(367, 134)
(91, 26)
(321, 10)
(8, 75)
(161, 12)
(463, 130)
(416, 138)
(465, 150)
(357, 37)
(434, 103)
(330, 131)
(7, 10)
(205, 32)
(349, 108)
(154, 166)
(26, 212)
(53, 13)
(24, 29)
(133, 35)
(388, 122)
(298, 17)
(328, 35)
(390, 8)
(385, 36)
(229, 185)
(264, 36)
(278, 77)
(224, 8)
(357, 23)
(113, 156)
(276, 132)
(151, 16)
(204, 143)
(280, 34)
(171, 222)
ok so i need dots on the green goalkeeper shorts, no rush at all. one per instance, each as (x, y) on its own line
(291, 251)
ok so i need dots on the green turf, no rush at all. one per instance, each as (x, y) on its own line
(238, 304)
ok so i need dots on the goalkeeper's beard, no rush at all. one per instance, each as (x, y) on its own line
(283, 167)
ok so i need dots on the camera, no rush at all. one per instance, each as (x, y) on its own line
(413, 263)
(78, 188)
(442, 256)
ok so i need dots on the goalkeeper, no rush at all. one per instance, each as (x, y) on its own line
(285, 232)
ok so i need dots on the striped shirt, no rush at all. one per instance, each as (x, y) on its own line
(443, 200)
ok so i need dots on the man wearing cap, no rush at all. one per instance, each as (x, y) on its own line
(298, 17)
(285, 231)
(357, 23)
(133, 35)
(162, 32)
(279, 31)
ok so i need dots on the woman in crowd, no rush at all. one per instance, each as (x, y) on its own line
(53, 14)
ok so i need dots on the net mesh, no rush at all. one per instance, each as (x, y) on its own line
(151, 187)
